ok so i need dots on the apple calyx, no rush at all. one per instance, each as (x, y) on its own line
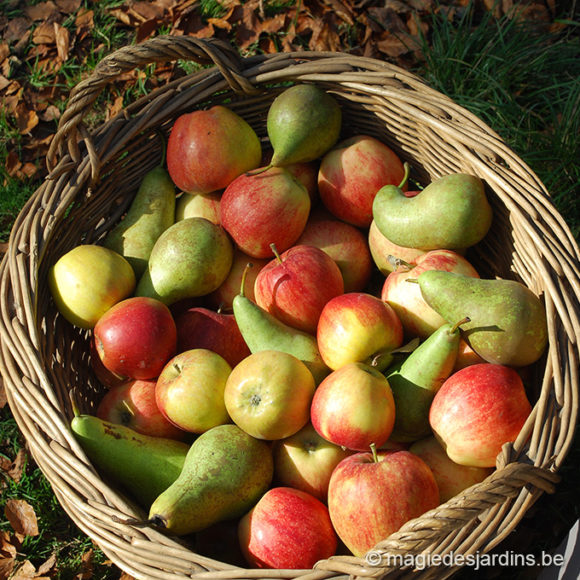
(244, 273)
(276, 253)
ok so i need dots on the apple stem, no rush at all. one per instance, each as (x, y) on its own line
(244, 273)
(398, 262)
(374, 452)
(413, 280)
(275, 252)
(128, 409)
(458, 324)
(407, 169)
(253, 172)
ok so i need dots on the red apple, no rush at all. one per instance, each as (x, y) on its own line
(223, 296)
(451, 477)
(295, 286)
(306, 461)
(190, 390)
(385, 253)
(477, 410)
(136, 337)
(354, 407)
(466, 356)
(103, 374)
(207, 149)
(417, 317)
(357, 327)
(201, 327)
(262, 208)
(345, 244)
(287, 529)
(352, 173)
(371, 496)
(133, 404)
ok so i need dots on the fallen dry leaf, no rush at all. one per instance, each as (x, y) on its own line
(21, 516)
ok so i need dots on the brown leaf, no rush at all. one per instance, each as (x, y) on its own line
(393, 46)
(44, 33)
(51, 113)
(7, 566)
(26, 119)
(7, 547)
(86, 568)
(84, 22)
(13, 469)
(41, 11)
(21, 516)
(16, 28)
(62, 38)
(68, 6)
(47, 566)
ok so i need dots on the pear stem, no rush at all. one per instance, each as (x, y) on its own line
(413, 280)
(407, 169)
(275, 252)
(244, 273)
(374, 453)
(253, 172)
(398, 262)
(458, 324)
(75, 407)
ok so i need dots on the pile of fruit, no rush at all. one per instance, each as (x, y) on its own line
(292, 340)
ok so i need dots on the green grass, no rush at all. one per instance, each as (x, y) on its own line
(522, 83)
(525, 84)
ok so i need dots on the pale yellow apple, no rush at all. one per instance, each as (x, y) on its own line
(86, 281)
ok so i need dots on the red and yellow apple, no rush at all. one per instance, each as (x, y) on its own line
(190, 390)
(477, 410)
(287, 529)
(354, 407)
(209, 148)
(133, 404)
(205, 205)
(417, 317)
(136, 337)
(452, 478)
(345, 244)
(296, 285)
(306, 461)
(371, 496)
(357, 327)
(352, 172)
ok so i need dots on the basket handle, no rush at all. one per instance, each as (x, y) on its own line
(164, 48)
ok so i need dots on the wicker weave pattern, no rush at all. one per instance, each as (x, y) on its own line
(93, 177)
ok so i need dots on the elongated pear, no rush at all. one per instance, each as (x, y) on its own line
(263, 331)
(507, 320)
(415, 380)
(226, 471)
(451, 213)
(151, 212)
(303, 123)
(144, 466)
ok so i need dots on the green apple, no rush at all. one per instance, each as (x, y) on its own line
(268, 394)
(86, 281)
(190, 390)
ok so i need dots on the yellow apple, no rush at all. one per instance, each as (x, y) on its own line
(86, 281)
(268, 394)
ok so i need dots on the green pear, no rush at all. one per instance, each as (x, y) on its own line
(415, 380)
(507, 320)
(303, 123)
(263, 331)
(452, 212)
(151, 212)
(226, 472)
(191, 258)
(143, 465)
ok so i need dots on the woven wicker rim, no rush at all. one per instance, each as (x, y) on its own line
(42, 357)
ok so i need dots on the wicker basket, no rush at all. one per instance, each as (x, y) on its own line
(92, 180)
